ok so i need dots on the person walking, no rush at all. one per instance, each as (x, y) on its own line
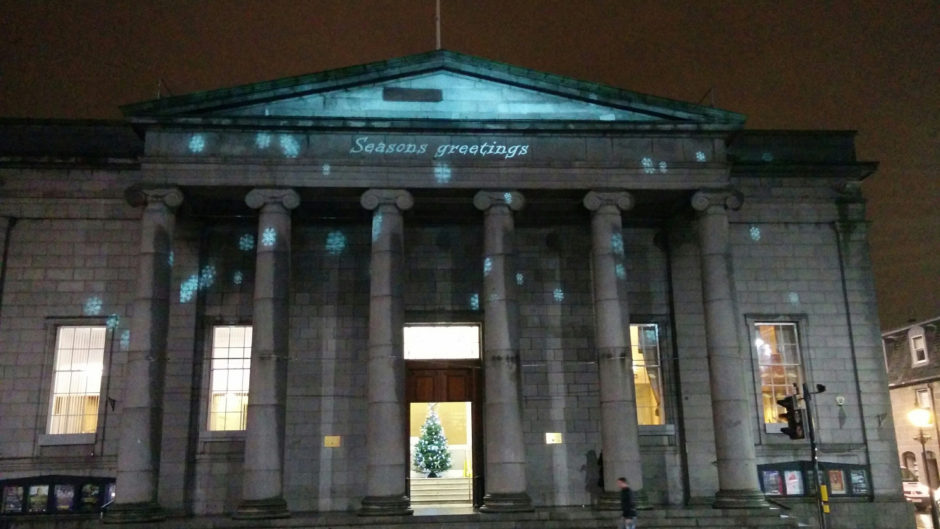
(627, 509)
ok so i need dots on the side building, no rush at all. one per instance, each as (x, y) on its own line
(249, 301)
(912, 357)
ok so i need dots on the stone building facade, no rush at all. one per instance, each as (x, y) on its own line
(645, 278)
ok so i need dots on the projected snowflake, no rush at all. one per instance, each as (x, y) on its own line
(507, 197)
(326, 169)
(474, 301)
(616, 243)
(376, 226)
(335, 243)
(663, 167)
(520, 279)
(197, 143)
(700, 156)
(794, 298)
(125, 339)
(441, 173)
(207, 276)
(767, 157)
(113, 321)
(93, 306)
(487, 266)
(268, 237)
(263, 140)
(621, 271)
(238, 277)
(754, 232)
(169, 259)
(246, 242)
(559, 295)
(647, 164)
(289, 146)
(188, 288)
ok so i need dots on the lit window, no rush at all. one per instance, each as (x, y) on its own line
(76, 382)
(778, 358)
(647, 373)
(918, 349)
(923, 398)
(228, 379)
(442, 341)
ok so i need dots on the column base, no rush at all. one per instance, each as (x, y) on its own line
(262, 509)
(610, 501)
(386, 506)
(740, 499)
(145, 511)
(507, 502)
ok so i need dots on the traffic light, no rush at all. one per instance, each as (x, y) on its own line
(793, 416)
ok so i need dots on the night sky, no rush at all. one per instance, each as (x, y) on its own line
(871, 66)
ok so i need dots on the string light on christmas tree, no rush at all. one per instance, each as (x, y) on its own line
(431, 454)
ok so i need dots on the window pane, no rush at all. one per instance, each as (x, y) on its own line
(647, 375)
(437, 342)
(228, 378)
(76, 380)
(778, 355)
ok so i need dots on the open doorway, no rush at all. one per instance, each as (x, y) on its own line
(444, 398)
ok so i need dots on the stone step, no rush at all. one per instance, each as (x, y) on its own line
(441, 490)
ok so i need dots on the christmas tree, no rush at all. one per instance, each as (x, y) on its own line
(431, 454)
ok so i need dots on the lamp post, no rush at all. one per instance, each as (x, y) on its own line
(923, 418)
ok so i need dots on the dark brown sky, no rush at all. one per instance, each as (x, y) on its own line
(871, 66)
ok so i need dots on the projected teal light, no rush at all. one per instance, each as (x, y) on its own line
(520, 279)
(238, 277)
(767, 157)
(93, 306)
(268, 237)
(507, 197)
(616, 243)
(188, 288)
(647, 164)
(326, 169)
(263, 140)
(113, 321)
(559, 295)
(794, 298)
(289, 146)
(246, 242)
(442, 173)
(474, 301)
(663, 167)
(621, 271)
(700, 156)
(335, 243)
(754, 232)
(197, 143)
(207, 276)
(125, 339)
(376, 226)
(169, 259)
(487, 266)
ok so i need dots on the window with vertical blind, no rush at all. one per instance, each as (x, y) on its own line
(647, 373)
(76, 379)
(230, 366)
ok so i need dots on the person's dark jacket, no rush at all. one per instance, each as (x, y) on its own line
(626, 503)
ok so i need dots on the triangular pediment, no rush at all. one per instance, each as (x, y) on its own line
(438, 85)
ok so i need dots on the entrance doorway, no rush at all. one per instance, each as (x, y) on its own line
(444, 394)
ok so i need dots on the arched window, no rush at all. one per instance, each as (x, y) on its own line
(910, 461)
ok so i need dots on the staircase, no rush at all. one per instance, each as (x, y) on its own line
(438, 491)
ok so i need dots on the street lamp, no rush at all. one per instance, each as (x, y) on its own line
(923, 418)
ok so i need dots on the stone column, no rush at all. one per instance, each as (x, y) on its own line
(505, 478)
(387, 430)
(619, 431)
(142, 402)
(263, 470)
(732, 409)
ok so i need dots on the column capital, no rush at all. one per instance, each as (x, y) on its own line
(374, 198)
(484, 200)
(171, 197)
(595, 200)
(257, 198)
(725, 198)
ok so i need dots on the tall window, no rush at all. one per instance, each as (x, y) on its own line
(647, 373)
(918, 346)
(228, 378)
(76, 382)
(778, 357)
(922, 396)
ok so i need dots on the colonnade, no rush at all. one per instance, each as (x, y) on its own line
(387, 465)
